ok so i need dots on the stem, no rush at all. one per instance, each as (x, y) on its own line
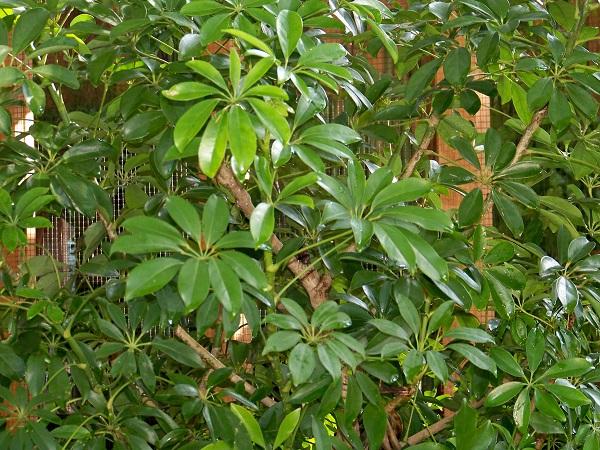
(59, 102)
(438, 426)
(314, 245)
(528, 134)
(311, 266)
(99, 113)
(213, 362)
(581, 11)
(316, 285)
(416, 157)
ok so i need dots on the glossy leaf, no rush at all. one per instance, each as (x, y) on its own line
(226, 285)
(150, 276)
(287, 427)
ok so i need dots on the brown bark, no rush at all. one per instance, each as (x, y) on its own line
(528, 134)
(435, 428)
(214, 363)
(316, 285)
(423, 146)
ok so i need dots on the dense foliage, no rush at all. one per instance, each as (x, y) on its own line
(274, 179)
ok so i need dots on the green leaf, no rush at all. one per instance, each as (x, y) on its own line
(421, 79)
(470, 101)
(572, 367)
(564, 13)
(583, 100)
(235, 69)
(252, 40)
(226, 285)
(148, 234)
(143, 126)
(295, 310)
(250, 423)
(503, 393)
(302, 363)
(189, 90)
(488, 49)
(519, 98)
(246, 268)
(390, 328)
(568, 395)
(10, 76)
(89, 150)
(284, 321)
(289, 31)
(375, 423)
(287, 427)
(146, 371)
(262, 222)
(215, 219)
(297, 184)
(559, 110)
(336, 189)
(218, 445)
(256, 74)
(428, 261)
(150, 276)
(211, 151)
(323, 312)
(535, 348)
(209, 72)
(322, 53)
(429, 445)
(242, 138)
(509, 213)
(427, 218)
(565, 291)
(185, 215)
(440, 316)
(330, 361)
(506, 362)
(191, 122)
(471, 208)
(522, 410)
(193, 283)
(368, 388)
(29, 26)
(322, 440)
(408, 311)
(457, 66)
(385, 39)
(330, 131)
(466, 150)
(539, 94)
(521, 192)
(76, 432)
(58, 74)
(281, 341)
(5, 122)
(437, 364)
(406, 190)
(353, 401)
(110, 330)
(202, 8)
(11, 365)
(492, 147)
(469, 334)
(548, 405)
(178, 351)
(475, 356)
(272, 119)
(413, 365)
